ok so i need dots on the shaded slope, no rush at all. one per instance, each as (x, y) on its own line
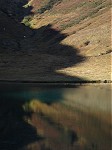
(71, 39)
(29, 56)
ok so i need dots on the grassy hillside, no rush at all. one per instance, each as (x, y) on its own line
(67, 40)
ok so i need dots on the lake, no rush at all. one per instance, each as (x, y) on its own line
(34, 117)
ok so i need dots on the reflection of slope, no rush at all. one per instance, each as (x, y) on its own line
(89, 128)
(53, 132)
(93, 102)
(93, 98)
(49, 122)
(61, 124)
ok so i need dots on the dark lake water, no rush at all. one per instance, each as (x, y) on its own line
(34, 117)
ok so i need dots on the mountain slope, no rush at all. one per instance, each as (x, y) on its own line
(63, 40)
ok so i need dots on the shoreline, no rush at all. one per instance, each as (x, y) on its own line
(54, 83)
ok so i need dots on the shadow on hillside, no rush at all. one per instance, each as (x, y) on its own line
(46, 54)
(48, 41)
(52, 56)
(16, 9)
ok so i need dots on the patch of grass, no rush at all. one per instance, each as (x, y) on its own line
(80, 4)
(48, 6)
(95, 3)
(93, 12)
(26, 6)
(99, 4)
(73, 22)
(27, 20)
(76, 21)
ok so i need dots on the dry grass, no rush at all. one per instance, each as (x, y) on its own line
(89, 33)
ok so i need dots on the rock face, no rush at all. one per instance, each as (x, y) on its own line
(15, 8)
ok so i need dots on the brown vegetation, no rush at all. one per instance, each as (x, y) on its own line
(67, 42)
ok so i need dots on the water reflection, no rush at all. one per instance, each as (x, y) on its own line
(55, 118)
(46, 95)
